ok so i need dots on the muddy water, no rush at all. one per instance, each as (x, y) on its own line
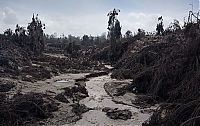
(98, 99)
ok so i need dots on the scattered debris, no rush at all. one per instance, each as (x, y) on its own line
(26, 108)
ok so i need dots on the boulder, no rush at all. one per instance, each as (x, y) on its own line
(117, 114)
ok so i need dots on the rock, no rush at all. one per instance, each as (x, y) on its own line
(61, 98)
(28, 78)
(122, 74)
(3, 97)
(145, 101)
(34, 72)
(96, 74)
(116, 88)
(81, 84)
(81, 79)
(79, 109)
(117, 114)
(76, 92)
(106, 109)
(5, 86)
(68, 91)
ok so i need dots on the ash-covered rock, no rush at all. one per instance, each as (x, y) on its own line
(76, 92)
(34, 73)
(6, 85)
(145, 101)
(116, 88)
(117, 114)
(96, 74)
(79, 109)
(61, 97)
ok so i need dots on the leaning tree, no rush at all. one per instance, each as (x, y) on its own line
(114, 33)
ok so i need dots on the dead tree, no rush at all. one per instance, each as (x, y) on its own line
(195, 16)
(159, 27)
(114, 32)
(35, 34)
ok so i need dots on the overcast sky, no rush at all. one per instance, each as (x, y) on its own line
(79, 17)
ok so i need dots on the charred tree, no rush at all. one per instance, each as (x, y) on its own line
(36, 35)
(114, 34)
(159, 27)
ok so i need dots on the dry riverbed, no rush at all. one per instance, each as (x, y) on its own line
(99, 100)
(105, 102)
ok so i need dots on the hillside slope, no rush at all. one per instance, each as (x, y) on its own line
(168, 69)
